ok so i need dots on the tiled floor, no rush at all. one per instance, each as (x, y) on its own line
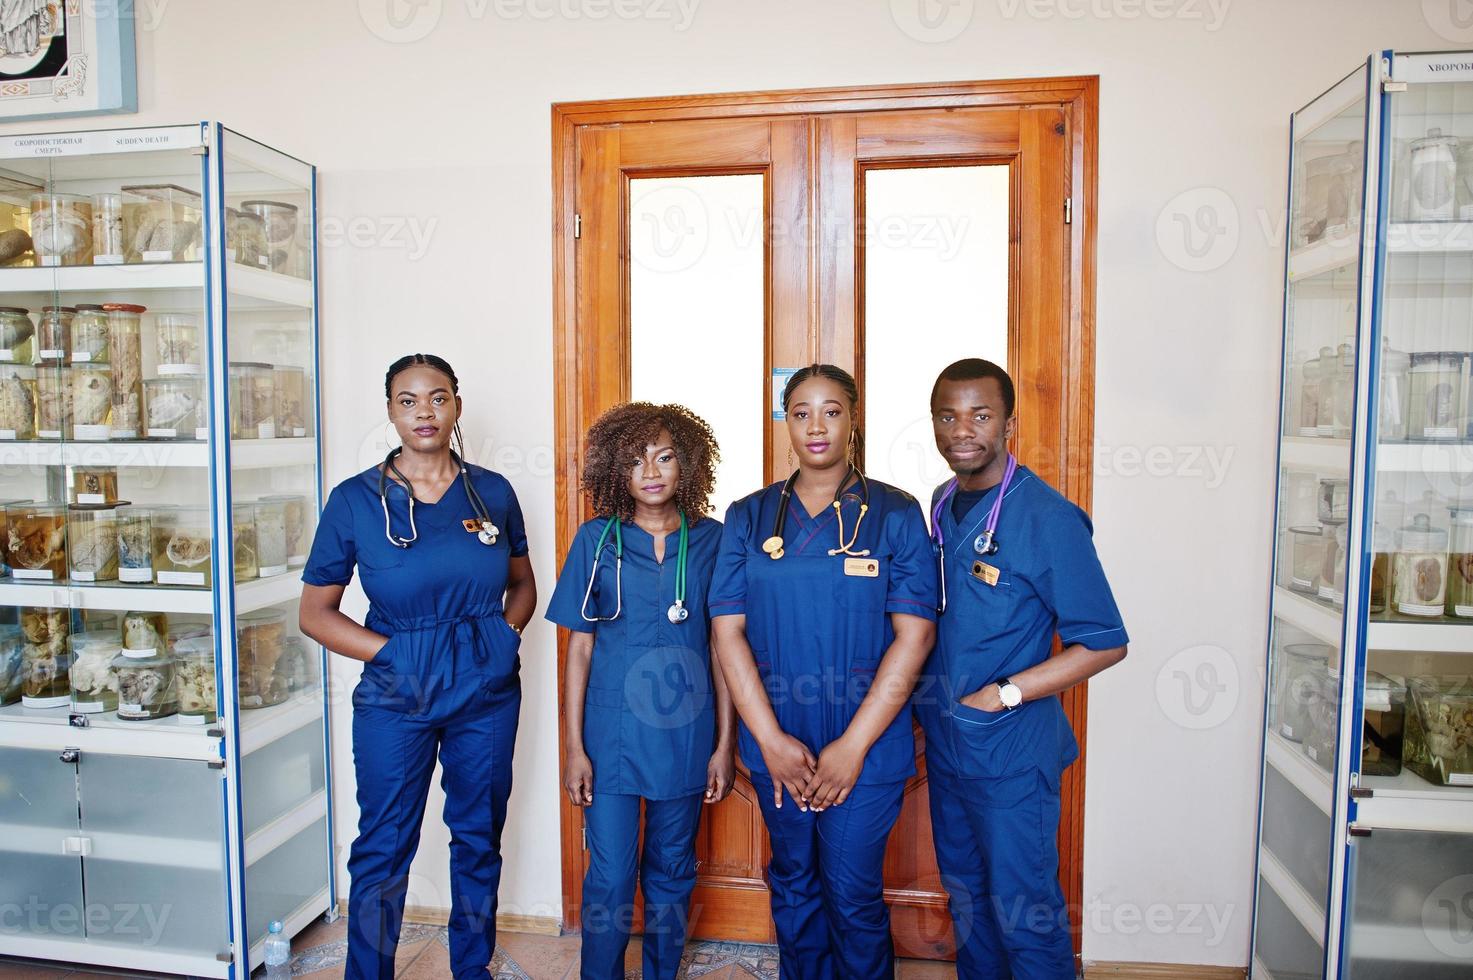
(318, 953)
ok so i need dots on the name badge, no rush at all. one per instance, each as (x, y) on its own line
(862, 567)
(983, 572)
(471, 525)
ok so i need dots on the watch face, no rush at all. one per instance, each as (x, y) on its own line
(1011, 696)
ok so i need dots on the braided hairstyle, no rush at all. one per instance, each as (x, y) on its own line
(846, 383)
(621, 435)
(437, 363)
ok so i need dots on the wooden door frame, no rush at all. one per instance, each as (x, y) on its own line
(1077, 96)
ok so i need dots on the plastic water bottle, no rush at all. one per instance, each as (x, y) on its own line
(278, 954)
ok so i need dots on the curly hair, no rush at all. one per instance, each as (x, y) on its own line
(621, 435)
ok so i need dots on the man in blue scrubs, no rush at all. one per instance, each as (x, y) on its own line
(997, 739)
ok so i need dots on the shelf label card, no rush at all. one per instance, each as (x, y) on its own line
(91, 498)
(135, 575)
(43, 574)
(162, 433)
(104, 141)
(1460, 779)
(107, 260)
(154, 256)
(84, 576)
(181, 578)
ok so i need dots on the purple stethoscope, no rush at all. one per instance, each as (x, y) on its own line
(985, 543)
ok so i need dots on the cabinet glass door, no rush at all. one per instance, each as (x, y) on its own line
(1307, 662)
(41, 889)
(269, 503)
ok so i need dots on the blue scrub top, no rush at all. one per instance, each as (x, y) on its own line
(440, 600)
(649, 714)
(817, 633)
(1050, 581)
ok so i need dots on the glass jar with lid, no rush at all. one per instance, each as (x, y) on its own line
(194, 656)
(243, 524)
(300, 669)
(296, 514)
(61, 229)
(94, 484)
(1438, 744)
(279, 223)
(12, 673)
(90, 334)
(252, 400)
(1384, 725)
(146, 685)
(260, 643)
(1436, 396)
(16, 334)
(1460, 565)
(181, 546)
(109, 245)
(54, 334)
(46, 658)
(291, 401)
(1323, 714)
(1295, 681)
(1419, 576)
(250, 240)
(174, 407)
(1344, 408)
(165, 222)
(92, 542)
(270, 525)
(135, 545)
(1434, 176)
(1332, 568)
(1307, 404)
(178, 344)
(1395, 394)
(1334, 501)
(53, 402)
(93, 681)
(145, 632)
(1329, 377)
(1306, 555)
(125, 350)
(35, 547)
(18, 396)
(91, 401)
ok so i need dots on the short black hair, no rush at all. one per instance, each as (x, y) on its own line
(975, 369)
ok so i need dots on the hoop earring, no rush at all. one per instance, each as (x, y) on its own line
(790, 455)
(391, 434)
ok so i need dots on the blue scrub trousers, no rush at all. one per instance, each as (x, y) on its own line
(394, 755)
(827, 882)
(997, 847)
(667, 875)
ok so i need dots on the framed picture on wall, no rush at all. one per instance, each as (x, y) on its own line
(66, 58)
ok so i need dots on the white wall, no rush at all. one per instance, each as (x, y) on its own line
(449, 132)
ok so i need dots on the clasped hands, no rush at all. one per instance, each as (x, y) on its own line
(814, 784)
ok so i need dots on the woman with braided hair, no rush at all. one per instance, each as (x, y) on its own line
(441, 549)
(647, 718)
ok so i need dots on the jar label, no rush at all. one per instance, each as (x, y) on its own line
(1439, 432)
(84, 576)
(48, 260)
(169, 369)
(132, 709)
(1464, 612)
(88, 707)
(7, 434)
(1460, 779)
(266, 571)
(266, 430)
(125, 433)
(296, 561)
(181, 578)
(91, 498)
(6, 355)
(1413, 609)
(91, 433)
(48, 433)
(51, 354)
(44, 574)
(162, 433)
(1309, 751)
(81, 356)
(107, 260)
(202, 433)
(158, 256)
(1286, 730)
(135, 575)
(298, 432)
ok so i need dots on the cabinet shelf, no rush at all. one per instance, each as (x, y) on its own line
(177, 285)
(1311, 454)
(1306, 908)
(249, 596)
(285, 827)
(1313, 617)
(1306, 776)
(1409, 802)
(244, 454)
(1420, 237)
(1329, 254)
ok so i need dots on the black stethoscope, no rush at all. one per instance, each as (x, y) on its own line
(677, 613)
(985, 543)
(773, 546)
(487, 532)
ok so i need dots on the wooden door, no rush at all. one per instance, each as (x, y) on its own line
(812, 153)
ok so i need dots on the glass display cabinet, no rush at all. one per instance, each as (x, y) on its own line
(1365, 845)
(163, 741)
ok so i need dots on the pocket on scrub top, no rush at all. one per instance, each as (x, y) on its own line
(990, 608)
(863, 583)
(969, 715)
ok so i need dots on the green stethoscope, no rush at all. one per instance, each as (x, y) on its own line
(677, 613)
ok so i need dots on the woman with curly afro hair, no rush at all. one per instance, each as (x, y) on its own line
(646, 717)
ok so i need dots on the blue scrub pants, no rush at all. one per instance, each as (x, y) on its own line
(667, 874)
(394, 756)
(997, 847)
(826, 876)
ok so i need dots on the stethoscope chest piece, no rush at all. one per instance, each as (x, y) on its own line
(488, 533)
(773, 546)
(985, 543)
(677, 613)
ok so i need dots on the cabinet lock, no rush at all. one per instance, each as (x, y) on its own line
(71, 756)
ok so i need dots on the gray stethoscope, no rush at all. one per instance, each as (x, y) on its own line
(677, 613)
(985, 543)
(773, 546)
(488, 532)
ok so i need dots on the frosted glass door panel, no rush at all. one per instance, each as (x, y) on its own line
(285, 879)
(697, 297)
(38, 810)
(1412, 911)
(155, 877)
(935, 291)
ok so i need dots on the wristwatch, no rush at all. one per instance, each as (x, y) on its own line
(1009, 693)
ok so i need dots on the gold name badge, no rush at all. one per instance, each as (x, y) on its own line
(471, 525)
(983, 572)
(863, 567)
